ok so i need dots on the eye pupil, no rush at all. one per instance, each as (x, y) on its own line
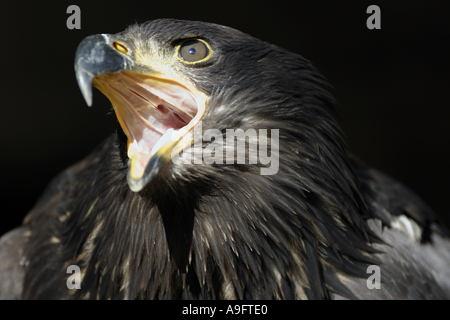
(193, 51)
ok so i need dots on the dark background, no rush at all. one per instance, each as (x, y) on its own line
(392, 83)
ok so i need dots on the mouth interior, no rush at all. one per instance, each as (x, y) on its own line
(150, 110)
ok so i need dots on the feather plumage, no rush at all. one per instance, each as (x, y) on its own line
(224, 231)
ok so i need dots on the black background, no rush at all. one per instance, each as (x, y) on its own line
(392, 84)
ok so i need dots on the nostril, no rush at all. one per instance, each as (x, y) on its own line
(120, 47)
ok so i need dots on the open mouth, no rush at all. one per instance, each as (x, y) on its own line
(154, 112)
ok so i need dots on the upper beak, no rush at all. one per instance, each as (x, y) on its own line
(96, 56)
(149, 106)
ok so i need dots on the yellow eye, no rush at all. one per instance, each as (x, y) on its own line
(194, 51)
(120, 47)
